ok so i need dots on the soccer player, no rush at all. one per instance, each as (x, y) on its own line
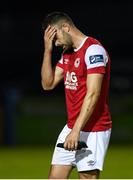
(85, 68)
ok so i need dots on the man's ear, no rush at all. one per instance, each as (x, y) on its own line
(66, 27)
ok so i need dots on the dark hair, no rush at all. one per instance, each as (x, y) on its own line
(54, 18)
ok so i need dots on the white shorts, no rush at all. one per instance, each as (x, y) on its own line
(84, 159)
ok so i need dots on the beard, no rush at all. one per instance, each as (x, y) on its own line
(68, 44)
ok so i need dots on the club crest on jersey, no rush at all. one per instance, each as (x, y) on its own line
(77, 62)
(96, 58)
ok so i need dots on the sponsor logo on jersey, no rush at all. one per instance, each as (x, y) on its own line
(71, 81)
(77, 62)
(96, 58)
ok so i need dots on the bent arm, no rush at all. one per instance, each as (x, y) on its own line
(94, 83)
(50, 77)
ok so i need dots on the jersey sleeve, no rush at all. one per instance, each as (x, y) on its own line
(96, 59)
(60, 63)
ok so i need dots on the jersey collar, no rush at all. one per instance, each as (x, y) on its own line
(76, 49)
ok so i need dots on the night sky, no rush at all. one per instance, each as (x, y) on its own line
(21, 37)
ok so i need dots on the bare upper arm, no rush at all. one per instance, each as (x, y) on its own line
(94, 83)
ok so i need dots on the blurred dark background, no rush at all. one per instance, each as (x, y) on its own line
(28, 114)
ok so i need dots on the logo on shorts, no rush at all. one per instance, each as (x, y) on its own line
(91, 163)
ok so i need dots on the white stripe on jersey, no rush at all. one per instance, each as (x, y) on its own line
(95, 51)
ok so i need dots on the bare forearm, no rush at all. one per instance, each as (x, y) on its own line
(87, 109)
(47, 71)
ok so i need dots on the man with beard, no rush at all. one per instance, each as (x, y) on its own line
(85, 68)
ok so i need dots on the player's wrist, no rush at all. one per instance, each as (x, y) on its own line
(76, 129)
(48, 49)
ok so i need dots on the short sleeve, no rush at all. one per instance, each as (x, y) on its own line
(96, 59)
(60, 62)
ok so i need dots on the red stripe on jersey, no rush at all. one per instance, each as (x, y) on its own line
(100, 70)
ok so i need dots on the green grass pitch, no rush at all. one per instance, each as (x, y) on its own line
(34, 163)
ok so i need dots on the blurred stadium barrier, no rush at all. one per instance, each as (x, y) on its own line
(39, 119)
